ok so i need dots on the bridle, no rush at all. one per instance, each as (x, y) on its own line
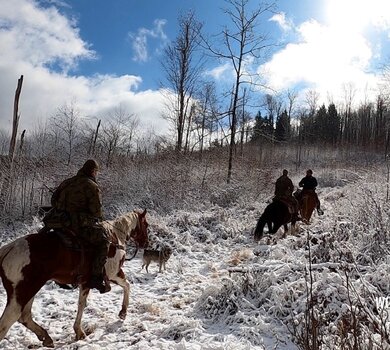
(128, 239)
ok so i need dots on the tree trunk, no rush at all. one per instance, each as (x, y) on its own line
(5, 191)
(93, 146)
(21, 143)
(15, 119)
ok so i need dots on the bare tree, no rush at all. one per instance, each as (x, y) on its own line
(273, 105)
(16, 117)
(240, 43)
(117, 133)
(66, 126)
(311, 98)
(7, 183)
(349, 95)
(182, 68)
(243, 122)
(4, 142)
(205, 114)
(95, 133)
(292, 97)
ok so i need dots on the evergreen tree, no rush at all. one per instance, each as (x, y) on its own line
(333, 126)
(320, 122)
(283, 127)
(262, 128)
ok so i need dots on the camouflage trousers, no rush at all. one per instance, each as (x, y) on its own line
(95, 238)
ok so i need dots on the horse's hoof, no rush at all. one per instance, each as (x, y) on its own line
(48, 342)
(80, 335)
(122, 315)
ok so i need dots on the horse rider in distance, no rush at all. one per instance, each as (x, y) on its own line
(284, 193)
(309, 183)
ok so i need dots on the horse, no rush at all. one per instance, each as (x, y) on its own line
(307, 204)
(27, 263)
(275, 215)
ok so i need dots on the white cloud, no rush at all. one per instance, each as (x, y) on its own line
(140, 40)
(39, 36)
(357, 15)
(33, 39)
(220, 71)
(325, 58)
(280, 18)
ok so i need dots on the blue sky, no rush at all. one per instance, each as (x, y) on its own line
(111, 28)
(102, 54)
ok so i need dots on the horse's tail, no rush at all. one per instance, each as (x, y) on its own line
(259, 228)
(308, 204)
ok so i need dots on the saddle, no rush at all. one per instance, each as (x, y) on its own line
(287, 203)
(68, 238)
(56, 219)
(70, 241)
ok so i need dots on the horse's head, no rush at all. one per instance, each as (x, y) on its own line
(140, 233)
(130, 226)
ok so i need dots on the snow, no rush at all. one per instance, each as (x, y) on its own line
(221, 290)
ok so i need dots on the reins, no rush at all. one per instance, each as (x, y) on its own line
(119, 246)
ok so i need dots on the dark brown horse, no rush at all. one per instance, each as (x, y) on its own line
(275, 215)
(307, 204)
(27, 263)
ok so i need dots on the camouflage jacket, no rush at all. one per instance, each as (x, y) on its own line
(283, 187)
(80, 198)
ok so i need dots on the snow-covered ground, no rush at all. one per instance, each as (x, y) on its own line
(221, 290)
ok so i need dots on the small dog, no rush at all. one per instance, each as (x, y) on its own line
(160, 256)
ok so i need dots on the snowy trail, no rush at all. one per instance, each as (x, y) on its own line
(196, 304)
(161, 311)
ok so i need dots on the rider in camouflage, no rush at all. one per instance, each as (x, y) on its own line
(80, 198)
(284, 192)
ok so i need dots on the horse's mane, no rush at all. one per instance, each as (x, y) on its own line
(122, 226)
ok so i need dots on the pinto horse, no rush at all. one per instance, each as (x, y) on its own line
(275, 215)
(27, 263)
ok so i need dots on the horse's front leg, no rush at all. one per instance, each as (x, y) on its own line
(269, 224)
(276, 227)
(121, 280)
(83, 295)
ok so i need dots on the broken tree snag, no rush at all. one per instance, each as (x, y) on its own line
(21, 143)
(92, 152)
(15, 119)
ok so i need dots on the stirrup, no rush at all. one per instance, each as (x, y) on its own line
(100, 284)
